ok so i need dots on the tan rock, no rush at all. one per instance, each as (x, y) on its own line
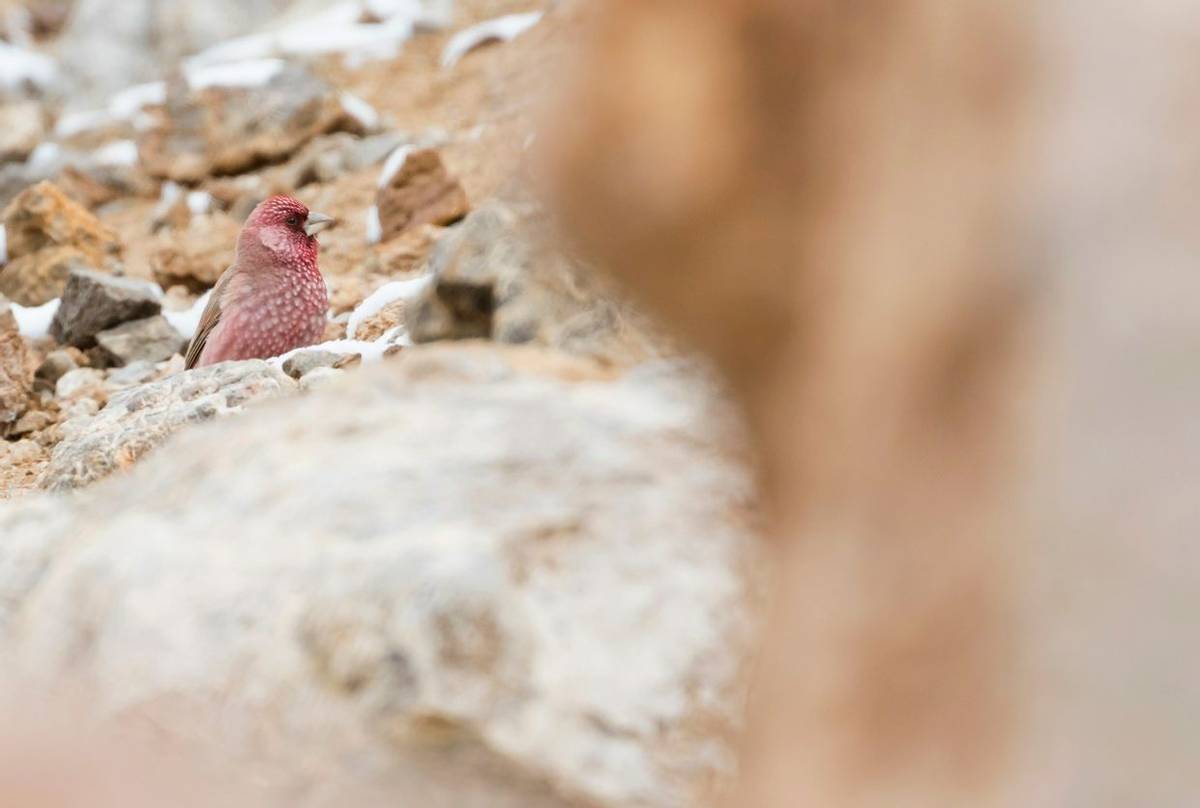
(196, 255)
(46, 233)
(422, 191)
(22, 127)
(16, 377)
(229, 130)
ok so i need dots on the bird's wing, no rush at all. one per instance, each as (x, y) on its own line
(208, 321)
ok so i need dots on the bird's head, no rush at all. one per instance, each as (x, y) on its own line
(285, 227)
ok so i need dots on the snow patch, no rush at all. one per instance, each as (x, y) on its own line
(129, 103)
(44, 157)
(20, 68)
(245, 73)
(187, 321)
(393, 164)
(370, 351)
(374, 225)
(117, 153)
(383, 297)
(338, 29)
(34, 321)
(199, 202)
(70, 124)
(502, 29)
(360, 111)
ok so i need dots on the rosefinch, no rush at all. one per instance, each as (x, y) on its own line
(273, 298)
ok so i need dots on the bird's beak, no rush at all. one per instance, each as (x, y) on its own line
(318, 222)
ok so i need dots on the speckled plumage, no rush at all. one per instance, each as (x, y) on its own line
(273, 299)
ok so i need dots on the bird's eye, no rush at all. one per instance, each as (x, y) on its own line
(293, 220)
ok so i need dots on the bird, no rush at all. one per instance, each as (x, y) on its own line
(273, 298)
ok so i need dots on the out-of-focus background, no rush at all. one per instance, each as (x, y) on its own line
(723, 402)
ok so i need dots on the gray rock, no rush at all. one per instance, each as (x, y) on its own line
(496, 277)
(140, 418)
(71, 383)
(95, 302)
(152, 339)
(134, 373)
(302, 363)
(471, 553)
(55, 366)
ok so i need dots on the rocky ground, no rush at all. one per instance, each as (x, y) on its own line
(493, 542)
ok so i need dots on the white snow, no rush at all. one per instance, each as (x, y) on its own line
(3, 245)
(20, 67)
(44, 157)
(503, 29)
(246, 73)
(128, 103)
(72, 123)
(361, 111)
(199, 202)
(392, 166)
(338, 29)
(374, 225)
(34, 321)
(186, 321)
(384, 296)
(370, 351)
(117, 153)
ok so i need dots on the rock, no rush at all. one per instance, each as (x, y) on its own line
(495, 276)
(56, 365)
(195, 256)
(329, 157)
(22, 127)
(302, 363)
(152, 339)
(74, 383)
(47, 234)
(93, 302)
(31, 422)
(390, 316)
(34, 280)
(229, 130)
(140, 418)
(16, 377)
(132, 374)
(420, 192)
(471, 553)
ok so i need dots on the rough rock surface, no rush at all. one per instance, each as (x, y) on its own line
(16, 377)
(471, 551)
(152, 339)
(421, 192)
(228, 130)
(495, 278)
(140, 418)
(195, 256)
(93, 302)
(47, 233)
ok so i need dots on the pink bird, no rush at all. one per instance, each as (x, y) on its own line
(273, 298)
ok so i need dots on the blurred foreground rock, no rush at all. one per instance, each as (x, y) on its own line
(464, 571)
